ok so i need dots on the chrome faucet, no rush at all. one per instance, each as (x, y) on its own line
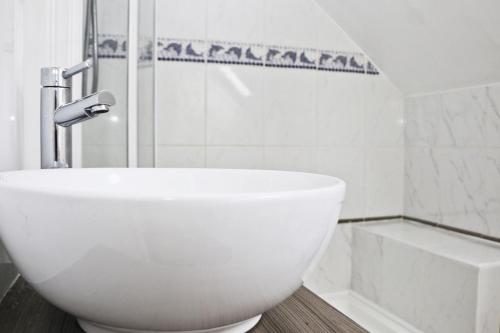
(58, 113)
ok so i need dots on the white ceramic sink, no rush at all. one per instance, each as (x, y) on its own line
(162, 250)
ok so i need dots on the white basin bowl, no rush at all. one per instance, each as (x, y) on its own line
(162, 250)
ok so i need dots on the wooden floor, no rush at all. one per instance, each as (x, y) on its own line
(24, 311)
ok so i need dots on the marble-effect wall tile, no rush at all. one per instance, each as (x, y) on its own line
(333, 271)
(452, 158)
(402, 279)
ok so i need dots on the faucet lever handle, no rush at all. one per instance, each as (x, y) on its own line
(77, 68)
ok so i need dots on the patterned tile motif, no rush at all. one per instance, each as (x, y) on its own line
(181, 50)
(371, 69)
(234, 53)
(220, 52)
(341, 62)
(111, 46)
(277, 56)
(146, 49)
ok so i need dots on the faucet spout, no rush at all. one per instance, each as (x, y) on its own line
(84, 109)
(58, 113)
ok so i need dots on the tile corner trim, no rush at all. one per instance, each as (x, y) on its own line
(422, 221)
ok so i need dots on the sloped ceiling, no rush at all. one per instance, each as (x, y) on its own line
(425, 45)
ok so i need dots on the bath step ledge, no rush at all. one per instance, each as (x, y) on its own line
(436, 280)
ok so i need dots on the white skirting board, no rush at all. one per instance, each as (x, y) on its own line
(367, 314)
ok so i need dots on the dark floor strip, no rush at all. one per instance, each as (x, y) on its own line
(24, 311)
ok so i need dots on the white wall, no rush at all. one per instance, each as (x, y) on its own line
(30, 37)
(452, 172)
(9, 146)
(9, 143)
(47, 33)
(426, 45)
(343, 124)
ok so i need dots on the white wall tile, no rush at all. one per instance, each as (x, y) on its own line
(107, 156)
(290, 112)
(472, 116)
(9, 154)
(113, 16)
(422, 183)
(182, 19)
(276, 118)
(145, 116)
(290, 107)
(488, 306)
(290, 158)
(330, 35)
(347, 164)
(341, 109)
(384, 181)
(110, 128)
(235, 157)
(237, 21)
(424, 126)
(180, 157)
(181, 103)
(384, 113)
(105, 138)
(469, 183)
(452, 158)
(290, 23)
(234, 105)
(394, 275)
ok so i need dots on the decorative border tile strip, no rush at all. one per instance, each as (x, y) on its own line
(221, 52)
(263, 55)
(181, 50)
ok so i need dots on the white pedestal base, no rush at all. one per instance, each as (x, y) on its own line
(240, 327)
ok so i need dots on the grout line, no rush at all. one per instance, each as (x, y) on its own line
(368, 219)
(451, 90)
(422, 221)
(205, 88)
(155, 85)
(453, 229)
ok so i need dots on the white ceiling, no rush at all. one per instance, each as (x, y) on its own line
(425, 45)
